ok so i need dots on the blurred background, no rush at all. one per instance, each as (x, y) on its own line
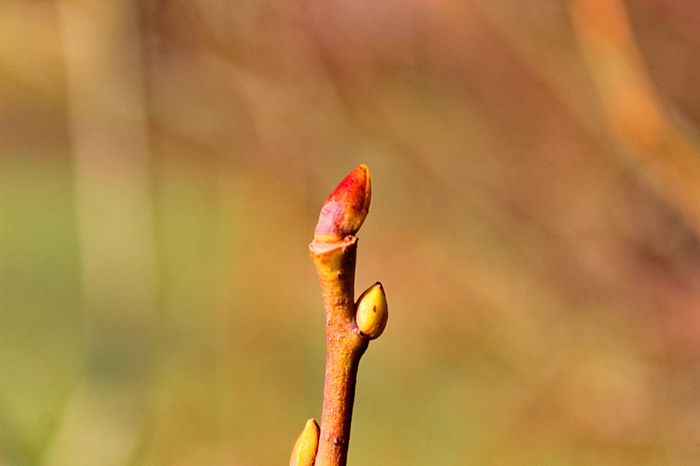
(535, 221)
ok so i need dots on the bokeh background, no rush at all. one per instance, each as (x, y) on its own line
(535, 221)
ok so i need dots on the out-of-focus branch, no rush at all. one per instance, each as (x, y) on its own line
(107, 128)
(631, 110)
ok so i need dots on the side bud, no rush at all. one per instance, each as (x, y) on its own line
(371, 311)
(346, 207)
(304, 451)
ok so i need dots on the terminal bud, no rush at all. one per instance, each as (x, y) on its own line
(346, 207)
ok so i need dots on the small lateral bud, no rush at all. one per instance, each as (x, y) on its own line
(304, 451)
(372, 312)
(346, 207)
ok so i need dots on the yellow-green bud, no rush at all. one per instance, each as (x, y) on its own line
(371, 311)
(304, 451)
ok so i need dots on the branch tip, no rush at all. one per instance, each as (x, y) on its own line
(346, 207)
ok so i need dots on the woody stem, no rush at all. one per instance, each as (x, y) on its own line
(335, 265)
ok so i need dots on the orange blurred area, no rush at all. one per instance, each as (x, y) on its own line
(535, 220)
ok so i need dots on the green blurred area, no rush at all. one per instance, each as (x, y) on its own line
(162, 164)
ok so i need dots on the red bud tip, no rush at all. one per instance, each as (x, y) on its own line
(346, 208)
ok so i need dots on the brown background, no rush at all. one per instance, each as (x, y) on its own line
(535, 222)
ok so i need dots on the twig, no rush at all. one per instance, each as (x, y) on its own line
(349, 326)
